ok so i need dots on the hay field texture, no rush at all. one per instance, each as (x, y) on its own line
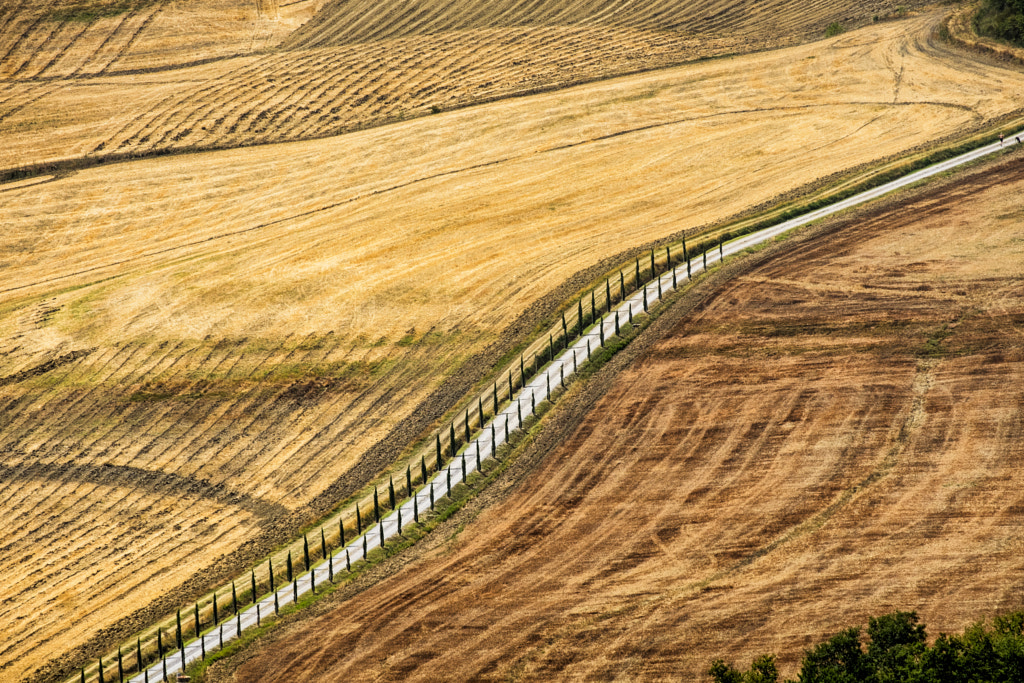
(833, 434)
(194, 349)
(354, 64)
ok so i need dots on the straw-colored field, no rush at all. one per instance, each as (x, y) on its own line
(834, 434)
(354, 64)
(194, 349)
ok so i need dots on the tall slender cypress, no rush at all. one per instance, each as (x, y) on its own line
(616, 332)
(468, 435)
(415, 510)
(593, 307)
(463, 467)
(234, 598)
(138, 653)
(160, 642)
(399, 521)
(637, 271)
(668, 256)
(674, 285)
(510, 386)
(431, 495)
(705, 258)
(608, 294)
(438, 444)
(565, 329)
(622, 285)
(101, 670)
(289, 574)
(689, 273)
(341, 527)
(216, 617)
(197, 618)
(120, 665)
(522, 371)
(359, 521)
(270, 572)
(252, 585)
(348, 561)
(551, 349)
(323, 544)
(494, 395)
(305, 552)
(480, 409)
(645, 299)
(423, 469)
(376, 506)
(653, 271)
(408, 480)
(451, 438)
(177, 632)
(721, 254)
(391, 492)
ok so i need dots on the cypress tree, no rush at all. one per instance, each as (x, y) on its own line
(588, 348)
(659, 289)
(380, 529)
(202, 648)
(330, 570)
(341, 530)
(674, 285)
(415, 510)
(565, 330)
(431, 495)
(689, 273)
(628, 308)
(495, 397)
(438, 443)
(684, 247)
(177, 633)
(494, 437)
(622, 286)
(506, 430)
(399, 521)
(448, 475)
(222, 625)
(197, 618)
(376, 506)
(721, 254)
(480, 409)
(216, 617)
(348, 561)
(616, 332)
(705, 258)
(277, 605)
(408, 480)
(637, 271)
(451, 438)
(305, 552)
(468, 435)
(561, 375)
(160, 642)
(478, 456)
(234, 598)
(645, 299)
(519, 411)
(391, 492)
(359, 521)
(323, 544)
(312, 582)
(252, 581)
(653, 272)
(551, 349)
(579, 313)
(668, 256)
(289, 574)
(574, 351)
(163, 662)
(120, 665)
(423, 469)
(83, 674)
(270, 572)
(101, 670)
(547, 381)
(138, 653)
(365, 544)
(295, 590)
(600, 333)
(463, 467)
(608, 295)
(533, 403)
(510, 385)
(593, 307)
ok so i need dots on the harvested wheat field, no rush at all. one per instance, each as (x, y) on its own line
(834, 433)
(200, 353)
(249, 80)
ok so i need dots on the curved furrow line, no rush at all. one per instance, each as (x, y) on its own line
(34, 47)
(23, 36)
(154, 9)
(94, 56)
(40, 53)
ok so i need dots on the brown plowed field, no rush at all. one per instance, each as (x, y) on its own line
(200, 353)
(834, 433)
(353, 65)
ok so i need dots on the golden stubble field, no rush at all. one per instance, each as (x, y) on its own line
(241, 77)
(193, 349)
(833, 434)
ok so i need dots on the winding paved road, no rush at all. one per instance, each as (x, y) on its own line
(494, 433)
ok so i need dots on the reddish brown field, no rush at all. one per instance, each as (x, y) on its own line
(834, 433)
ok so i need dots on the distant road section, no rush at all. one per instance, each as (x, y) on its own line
(492, 434)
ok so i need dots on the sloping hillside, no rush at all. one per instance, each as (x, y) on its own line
(836, 433)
